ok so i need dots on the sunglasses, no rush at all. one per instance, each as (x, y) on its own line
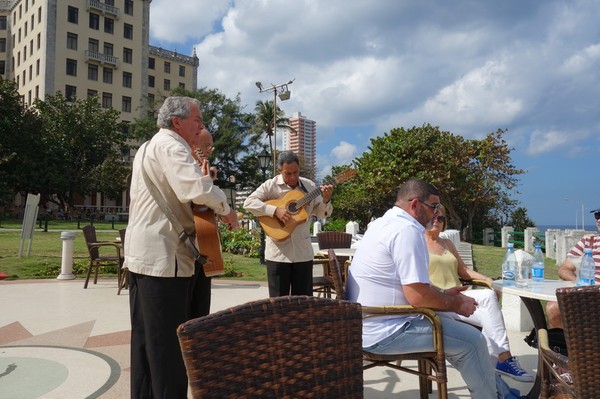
(434, 207)
(597, 215)
(441, 219)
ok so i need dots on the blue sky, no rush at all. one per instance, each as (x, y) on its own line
(363, 67)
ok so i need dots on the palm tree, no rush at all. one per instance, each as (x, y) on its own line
(264, 121)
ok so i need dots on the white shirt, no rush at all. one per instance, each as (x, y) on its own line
(392, 253)
(152, 247)
(298, 247)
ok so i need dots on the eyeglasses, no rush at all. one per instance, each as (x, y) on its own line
(441, 218)
(597, 215)
(434, 207)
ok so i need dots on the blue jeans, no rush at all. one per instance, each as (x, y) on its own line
(464, 345)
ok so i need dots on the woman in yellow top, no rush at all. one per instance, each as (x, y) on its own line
(445, 269)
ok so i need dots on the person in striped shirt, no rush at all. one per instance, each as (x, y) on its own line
(568, 270)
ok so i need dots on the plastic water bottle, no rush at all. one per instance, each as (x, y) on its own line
(537, 267)
(587, 268)
(509, 266)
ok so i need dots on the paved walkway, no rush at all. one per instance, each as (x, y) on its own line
(58, 340)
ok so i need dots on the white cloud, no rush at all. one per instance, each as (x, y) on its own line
(344, 153)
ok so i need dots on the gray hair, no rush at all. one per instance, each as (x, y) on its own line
(287, 157)
(174, 107)
(415, 188)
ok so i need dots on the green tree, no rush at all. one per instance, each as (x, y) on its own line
(22, 153)
(519, 219)
(473, 176)
(264, 118)
(84, 143)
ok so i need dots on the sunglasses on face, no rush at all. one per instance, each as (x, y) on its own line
(597, 215)
(441, 219)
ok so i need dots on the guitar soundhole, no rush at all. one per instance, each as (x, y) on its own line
(292, 207)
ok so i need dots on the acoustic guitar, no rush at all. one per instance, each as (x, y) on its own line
(294, 202)
(207, 234)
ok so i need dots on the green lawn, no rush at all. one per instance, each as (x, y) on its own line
(46, 252)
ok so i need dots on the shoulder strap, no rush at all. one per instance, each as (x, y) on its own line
(187, 238)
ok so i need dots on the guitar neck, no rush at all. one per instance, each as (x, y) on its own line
(309, 197)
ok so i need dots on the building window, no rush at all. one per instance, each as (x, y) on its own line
(93, 72)
(107, 75)
(167, 67)
(127, 55)
(150, 81)
(31, 47)
(70, 92)
(2, 45)
(128, 31)
(167, 85)
(126, 106)
(151, 63)
(3, 24)
(94, 21)
(127, 78)
(72, 15)
(37, 68)
(93, 45)
(181, 85)
(71, 41)
(30, 72)
(109, 25)
(39, 40)
(2, 67)
(182, 71)
(108, 49)
(71, 67)
(109, 2)
(92, 93)
(24, 53)
(129, 7)
(106, 100)
(37, 91)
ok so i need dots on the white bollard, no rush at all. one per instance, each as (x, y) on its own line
(66, 267)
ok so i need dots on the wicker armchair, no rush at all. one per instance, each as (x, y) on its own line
(284, 347)
(431, 365)
(326, 240)
(101, 258)
(579, 307)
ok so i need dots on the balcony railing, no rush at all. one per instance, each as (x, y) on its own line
(104, 8)
(101, 58)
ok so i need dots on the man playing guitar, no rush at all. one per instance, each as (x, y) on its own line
(208, 241)
(289, 261)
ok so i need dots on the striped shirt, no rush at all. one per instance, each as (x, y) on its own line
(589, 241)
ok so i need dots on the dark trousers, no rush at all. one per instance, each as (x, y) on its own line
(290, 278)
(158, 305)
(199, 293)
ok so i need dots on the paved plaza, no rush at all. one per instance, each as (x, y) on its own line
(58, 340)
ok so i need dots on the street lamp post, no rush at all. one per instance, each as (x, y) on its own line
(264, 158)
(284, 94)
(582, 214)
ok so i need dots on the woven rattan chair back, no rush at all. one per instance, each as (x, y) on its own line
(334, 239)
(580, 314)
(336, 275)
(284, 347)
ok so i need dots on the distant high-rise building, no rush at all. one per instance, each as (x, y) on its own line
(302, 140)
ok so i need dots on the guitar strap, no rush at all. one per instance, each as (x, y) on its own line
(302, 186)
(188, 238)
